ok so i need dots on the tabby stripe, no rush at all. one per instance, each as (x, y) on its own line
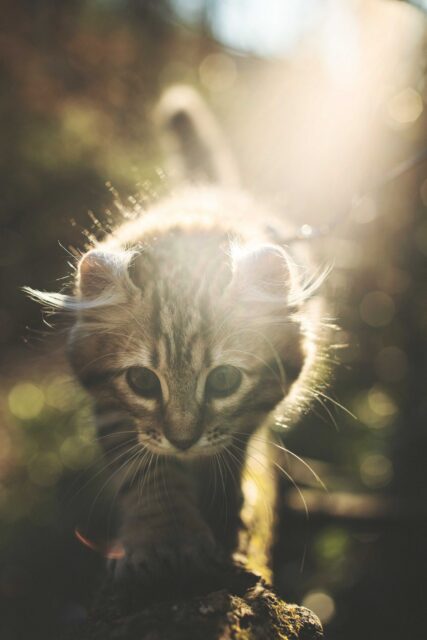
(155, 357)
(190, 344)
(168, 346)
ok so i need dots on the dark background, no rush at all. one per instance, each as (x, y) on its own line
(316, 114)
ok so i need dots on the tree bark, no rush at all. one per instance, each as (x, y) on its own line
(245, 609)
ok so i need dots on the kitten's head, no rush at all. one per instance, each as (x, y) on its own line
(188, 341)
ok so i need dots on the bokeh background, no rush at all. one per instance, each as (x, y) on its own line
(319, 100)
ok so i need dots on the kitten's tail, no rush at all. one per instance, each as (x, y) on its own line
(194, 143)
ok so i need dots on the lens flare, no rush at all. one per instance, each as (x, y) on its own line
(112, 551)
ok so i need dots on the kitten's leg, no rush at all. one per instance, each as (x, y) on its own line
(162, 530)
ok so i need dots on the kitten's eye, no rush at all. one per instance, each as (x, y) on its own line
(144, 382)
(223, 381)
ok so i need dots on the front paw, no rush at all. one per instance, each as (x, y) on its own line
(180, 560)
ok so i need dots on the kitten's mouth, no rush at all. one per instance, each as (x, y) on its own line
(195, 450)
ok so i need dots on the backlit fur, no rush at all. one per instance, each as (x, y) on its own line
(200, 280)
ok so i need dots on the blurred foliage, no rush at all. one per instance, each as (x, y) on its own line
(70, 72)
(48, 433)
(50, 481)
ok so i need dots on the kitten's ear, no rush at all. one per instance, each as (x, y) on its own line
(262, 273)
(100, 271)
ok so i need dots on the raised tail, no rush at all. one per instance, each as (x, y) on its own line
(195, 145)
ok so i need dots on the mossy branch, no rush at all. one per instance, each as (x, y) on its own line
(245, 609)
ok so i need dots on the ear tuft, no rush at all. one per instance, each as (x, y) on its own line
(100, 270)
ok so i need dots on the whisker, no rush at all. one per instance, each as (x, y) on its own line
(103, 468)
(113, 475)
(305, 464)
(267, 507)
(294, 455)
(290, 478)
(337, 404)
(136, 460)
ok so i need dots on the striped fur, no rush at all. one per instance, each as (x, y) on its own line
(194, 284)
(198, 281)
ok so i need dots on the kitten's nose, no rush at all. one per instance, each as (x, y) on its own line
(183, 443)
(182, 422)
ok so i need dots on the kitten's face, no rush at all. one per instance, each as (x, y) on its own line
(194, 347)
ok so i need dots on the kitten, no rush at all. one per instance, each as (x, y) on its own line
(192, 324)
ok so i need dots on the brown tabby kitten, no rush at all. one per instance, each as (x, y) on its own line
(192, 324)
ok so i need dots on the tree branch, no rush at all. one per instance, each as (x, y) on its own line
(245, 609)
